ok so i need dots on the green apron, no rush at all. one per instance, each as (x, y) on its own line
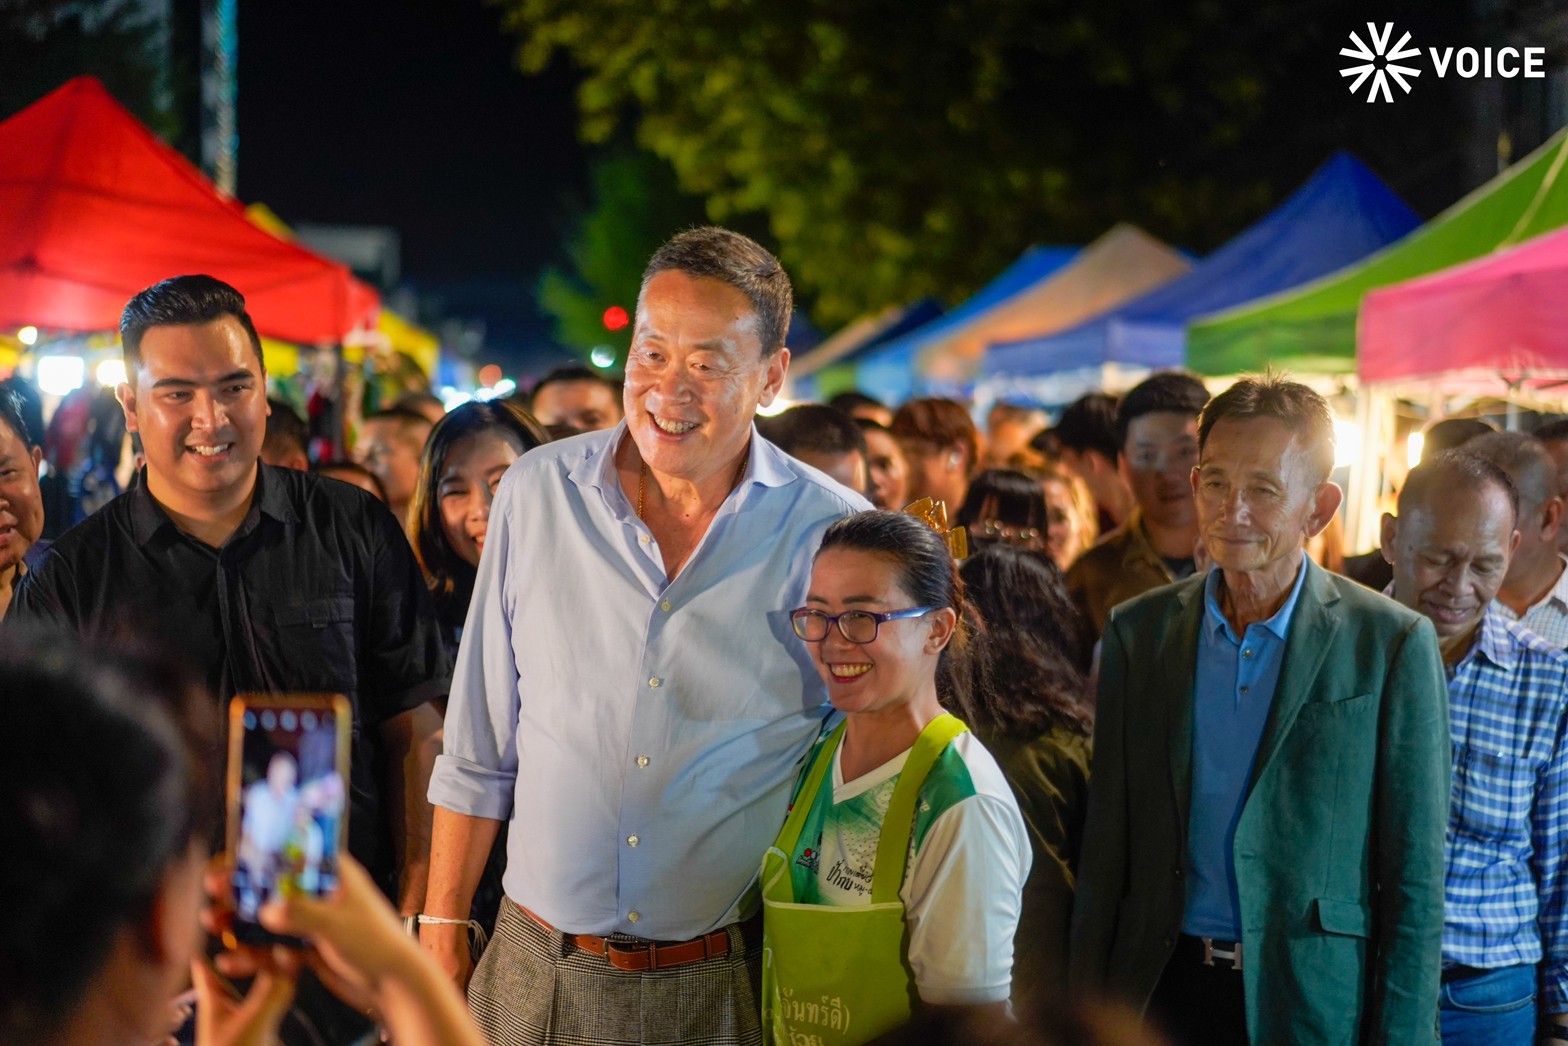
(840, 976)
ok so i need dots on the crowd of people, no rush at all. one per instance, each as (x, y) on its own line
(677, 723)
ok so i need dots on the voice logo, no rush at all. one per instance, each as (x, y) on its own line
(1378, 66)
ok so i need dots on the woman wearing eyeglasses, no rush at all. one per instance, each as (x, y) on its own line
(897, 877)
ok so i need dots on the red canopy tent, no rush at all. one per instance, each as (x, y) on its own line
(94, 207)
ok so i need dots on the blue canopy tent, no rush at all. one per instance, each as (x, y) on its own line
(830, 368)
(1341, 214)
(885, 369)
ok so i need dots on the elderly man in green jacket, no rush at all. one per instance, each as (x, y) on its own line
(1263, 855)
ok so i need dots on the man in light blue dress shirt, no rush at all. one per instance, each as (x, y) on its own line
(629, 697)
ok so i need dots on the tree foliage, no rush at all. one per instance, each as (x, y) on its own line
(911, 148)
(44, 43)
(635, 207)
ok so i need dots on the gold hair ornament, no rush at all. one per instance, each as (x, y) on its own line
(933, 514)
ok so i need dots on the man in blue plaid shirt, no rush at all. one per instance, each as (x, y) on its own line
(1506, 879)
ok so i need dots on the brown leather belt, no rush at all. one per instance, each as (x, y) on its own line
(638, 956)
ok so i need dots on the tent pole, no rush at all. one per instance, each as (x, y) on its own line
(339, 407)
(1366, 472)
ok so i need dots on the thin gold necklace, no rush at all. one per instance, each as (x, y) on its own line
(642, 477)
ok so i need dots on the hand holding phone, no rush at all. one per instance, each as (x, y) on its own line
(287, 797)
(358, 949)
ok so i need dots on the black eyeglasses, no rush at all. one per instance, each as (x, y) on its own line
(857, 626)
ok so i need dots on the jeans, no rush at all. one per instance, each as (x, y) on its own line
(1496, 1008)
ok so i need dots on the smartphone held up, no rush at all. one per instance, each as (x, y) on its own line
(287, 801)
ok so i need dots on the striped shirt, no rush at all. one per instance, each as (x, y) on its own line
(1506, 869)
(1548, 618)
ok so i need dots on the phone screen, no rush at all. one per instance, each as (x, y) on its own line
(288, 781)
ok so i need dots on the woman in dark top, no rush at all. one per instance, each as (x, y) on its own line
(464, 459)
(1033, 712)
(467, 453)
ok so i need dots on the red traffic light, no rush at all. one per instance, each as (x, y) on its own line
(615, 318)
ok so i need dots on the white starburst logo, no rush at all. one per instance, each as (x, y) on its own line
(1379, 74)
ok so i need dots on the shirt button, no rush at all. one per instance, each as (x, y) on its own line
(645, 539)
(642, 760)
(633, 916)
(631, 840)
(1244, 690)
(655, 681)
(665, 606)
(1247, 654)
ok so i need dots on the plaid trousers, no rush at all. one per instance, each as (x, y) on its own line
(534, 987)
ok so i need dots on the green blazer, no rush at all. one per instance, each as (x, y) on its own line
(1339, 849)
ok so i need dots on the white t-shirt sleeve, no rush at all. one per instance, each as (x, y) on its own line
(962, 898)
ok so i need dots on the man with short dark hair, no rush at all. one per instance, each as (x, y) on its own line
(858, 405)
(1009, 428)
(1157, 431)
(1262, 858)
(1554, 436)
(287, 438)
(270, 579)
(1535, 592)
(941, 445)
(576, 396)
(1506, 884)
(21, 503)
(887, 473)
(1371, 568)
(424, 403)
(1451, 434)
(624, 698)
(389, 444)
(1085, 440)
(827, 440)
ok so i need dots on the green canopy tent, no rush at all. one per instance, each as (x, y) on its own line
(1312, 328)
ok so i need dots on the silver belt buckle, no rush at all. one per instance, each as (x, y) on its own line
(1210, 953)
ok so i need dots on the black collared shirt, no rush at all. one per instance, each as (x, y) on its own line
(317, 591)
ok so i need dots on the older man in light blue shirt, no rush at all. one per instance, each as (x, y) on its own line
(629, 696)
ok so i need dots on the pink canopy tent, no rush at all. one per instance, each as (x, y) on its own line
(1505, 313)
(94, 207)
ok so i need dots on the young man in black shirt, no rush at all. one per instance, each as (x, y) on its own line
(268, 579)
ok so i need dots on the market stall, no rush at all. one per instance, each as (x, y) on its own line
(1313, 328)
(1341, 214)
(1119, 265)
(94, 207)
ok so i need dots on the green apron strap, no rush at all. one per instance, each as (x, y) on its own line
(790, 834)
(893, 844)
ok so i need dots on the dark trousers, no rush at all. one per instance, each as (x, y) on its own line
(1198, 1005)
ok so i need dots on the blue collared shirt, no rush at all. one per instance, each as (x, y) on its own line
(1236, 679)
(640, 735)
(1506, 873)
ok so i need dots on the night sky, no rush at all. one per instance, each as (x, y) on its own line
(412, 114)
